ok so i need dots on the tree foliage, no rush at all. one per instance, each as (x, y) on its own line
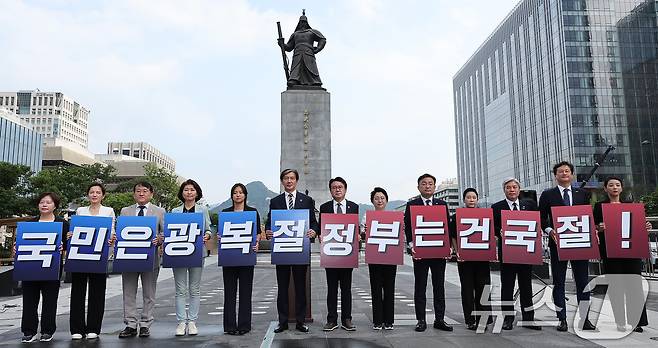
(164, 184)
(70, 182)
(15, 190)
(651, 203)
(118, 200)
(165, 187)
(19, 186)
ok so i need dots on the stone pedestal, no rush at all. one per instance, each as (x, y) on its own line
(306, 140)
(306, 146)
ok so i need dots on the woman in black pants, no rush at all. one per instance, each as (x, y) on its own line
(382, 278)
(474, 276)
(613, 187)
(239, 276)
(48, 289)
(91, 327)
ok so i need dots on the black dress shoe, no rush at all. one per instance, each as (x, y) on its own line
(231, 332)
(128, 332)
(587, 325)
(421, 326)
(281, 328)
(639, 329)
(508, 324)
(144, 332)
(301, 328)
(442, 325)
(472, 327)
(562, 326)
(243, 332)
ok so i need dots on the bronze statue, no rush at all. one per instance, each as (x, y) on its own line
(303, 70)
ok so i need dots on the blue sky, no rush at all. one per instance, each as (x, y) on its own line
(201, 80)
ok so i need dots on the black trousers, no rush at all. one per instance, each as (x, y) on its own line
(622, 299)
(508, 275)
(234, 277)
(474, 277)
(283, 282)
(96, 307)
(336, 277)
(32, 291)
(382, 286)
(580, 270)
(421, 268)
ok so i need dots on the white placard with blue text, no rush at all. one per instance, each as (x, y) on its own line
(183, 243)
(238, 238)
(290, 245)
(135, 251)
(37, 251)
(87, 250)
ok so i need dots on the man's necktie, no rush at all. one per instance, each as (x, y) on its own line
(428, 202)
(514, 206)
(141, 210)
(291, 203)
(565, 197)
(339, 208)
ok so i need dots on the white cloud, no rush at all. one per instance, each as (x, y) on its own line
(206, 75)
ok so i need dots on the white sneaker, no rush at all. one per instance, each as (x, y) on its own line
(76, 337)
(45, 337)
(180, 329)
(191, 328)
(92, 336)
(29, 339)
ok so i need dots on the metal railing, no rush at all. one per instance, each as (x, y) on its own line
(650, 263)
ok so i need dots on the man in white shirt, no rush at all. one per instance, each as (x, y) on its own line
(564, 194)
(510, 271)
(339, 205)
(142, 193)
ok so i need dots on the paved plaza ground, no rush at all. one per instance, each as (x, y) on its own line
(264, 317)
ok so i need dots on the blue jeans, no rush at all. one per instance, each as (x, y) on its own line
(188, 281)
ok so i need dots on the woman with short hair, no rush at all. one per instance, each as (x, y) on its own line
(97, 282)
(188, 279)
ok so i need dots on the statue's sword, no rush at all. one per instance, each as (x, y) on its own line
(283, 53)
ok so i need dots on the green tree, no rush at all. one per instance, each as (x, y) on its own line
(651, 203)
(70, 182)
(15, 191)
(164, 184)
(118, 200)
(214, 219)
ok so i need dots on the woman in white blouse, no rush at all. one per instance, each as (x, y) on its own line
(97, 281)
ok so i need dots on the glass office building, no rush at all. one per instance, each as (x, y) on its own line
(561, 80)
(20, 144)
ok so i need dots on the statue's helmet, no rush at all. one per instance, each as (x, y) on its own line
(303, 22)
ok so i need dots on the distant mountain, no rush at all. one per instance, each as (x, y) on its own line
(259, 197)
(363, 207)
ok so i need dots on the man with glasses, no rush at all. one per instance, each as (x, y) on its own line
(339, 205)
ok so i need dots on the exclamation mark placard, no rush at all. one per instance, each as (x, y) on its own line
(626, 230)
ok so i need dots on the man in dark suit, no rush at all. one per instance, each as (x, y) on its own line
(426, 186)
(291, 199)
(564, 195)
(509, 271)
(339, 205)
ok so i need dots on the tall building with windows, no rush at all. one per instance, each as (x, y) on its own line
(561, 80)
(19, 143)
(142, 151)
(53, 114)
(446, 190)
